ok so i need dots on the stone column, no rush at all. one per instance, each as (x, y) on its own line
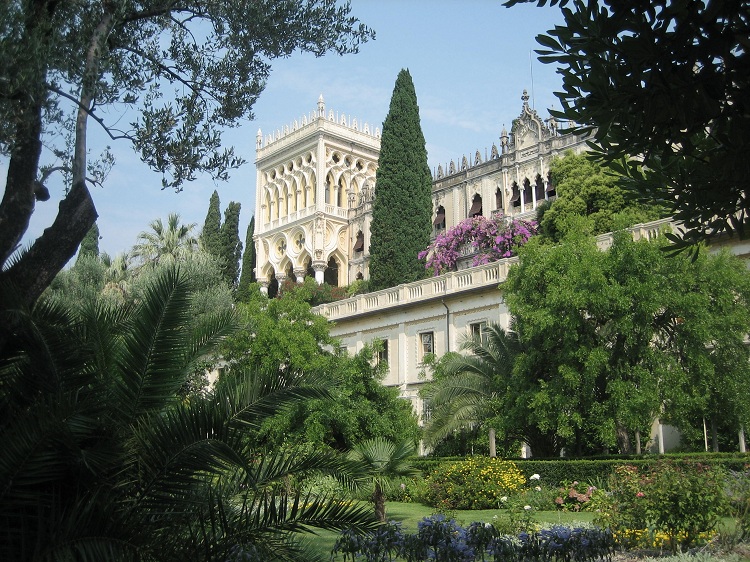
(263, 287)
(299, 273)
(319, 268)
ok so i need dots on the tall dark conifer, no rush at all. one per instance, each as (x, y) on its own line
(248, 264)
(210, 236)
(402, 208)
(230, 243)
(90, 243)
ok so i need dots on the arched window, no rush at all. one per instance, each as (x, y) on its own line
(476, 206)
(359, 243)
(499, 199)
(515, 198)
(439, 222)
(539, 188)
(331, 275)
(273, 287)
(527, 192)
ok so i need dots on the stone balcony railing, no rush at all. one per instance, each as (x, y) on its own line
(490, 274)
(454, 282)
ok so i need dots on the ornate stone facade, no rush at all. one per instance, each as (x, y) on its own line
(313, 189)
(316, 181)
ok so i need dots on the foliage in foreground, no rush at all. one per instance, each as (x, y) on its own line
(440, 538)
(683, 503)
(662, 86)
(103, 461)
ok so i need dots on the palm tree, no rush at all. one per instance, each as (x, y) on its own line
(466, 396)
(173, 240)
(103, 461)
(382, 460)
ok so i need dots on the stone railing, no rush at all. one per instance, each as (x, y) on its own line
(490, 274)
(469, 279)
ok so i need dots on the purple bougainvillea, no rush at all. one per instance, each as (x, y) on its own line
(488, 239)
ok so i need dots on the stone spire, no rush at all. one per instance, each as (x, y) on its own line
(321, 106)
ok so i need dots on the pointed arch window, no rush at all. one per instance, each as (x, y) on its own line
(515, 198)
(439, 222)
(527, 191)
(476, 206)
(539, 188)
(359, 244)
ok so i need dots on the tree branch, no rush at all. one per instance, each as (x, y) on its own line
(91, 114)
(36, 269)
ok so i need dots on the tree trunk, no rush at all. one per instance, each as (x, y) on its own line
(493, 449)
(742, 439)
(714, 436)
(378, 498)
(623, 440)
(637, 441)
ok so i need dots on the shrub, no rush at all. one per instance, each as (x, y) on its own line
(441, 538)
(476, 483)
(738, 496)
(683, 502)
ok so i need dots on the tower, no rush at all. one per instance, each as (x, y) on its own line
(315, 181)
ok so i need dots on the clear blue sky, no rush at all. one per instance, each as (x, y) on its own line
(470, 61)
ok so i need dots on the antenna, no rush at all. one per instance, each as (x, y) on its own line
(531, 71)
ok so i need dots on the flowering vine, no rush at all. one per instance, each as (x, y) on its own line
(490, 239)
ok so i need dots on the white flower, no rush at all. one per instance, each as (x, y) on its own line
(527, 507)
(534, 477)
(504, 499)
(538, 488)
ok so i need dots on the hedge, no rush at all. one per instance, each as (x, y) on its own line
(559, 471)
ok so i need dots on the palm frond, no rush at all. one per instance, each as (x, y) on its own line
(251, 397)
(151, 367)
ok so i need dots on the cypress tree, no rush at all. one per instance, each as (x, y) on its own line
(230, 243)
(402, 208)
(211, 233)
(90, 243)
(248, 264)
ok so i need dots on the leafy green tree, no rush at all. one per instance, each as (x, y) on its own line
(211, 233)
(230, 243)
(82, 283)
(165, 241)
(248, 264)
(284, 333)
(384, 461)
(90, 243)
(613, 339)
(663, 87)
(472, 388)
(190, 68)
(585, 189)
(280, 332)
(103, 461)
(360, 408)
(402, 209)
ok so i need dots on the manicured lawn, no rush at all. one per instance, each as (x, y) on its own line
(409, 514)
